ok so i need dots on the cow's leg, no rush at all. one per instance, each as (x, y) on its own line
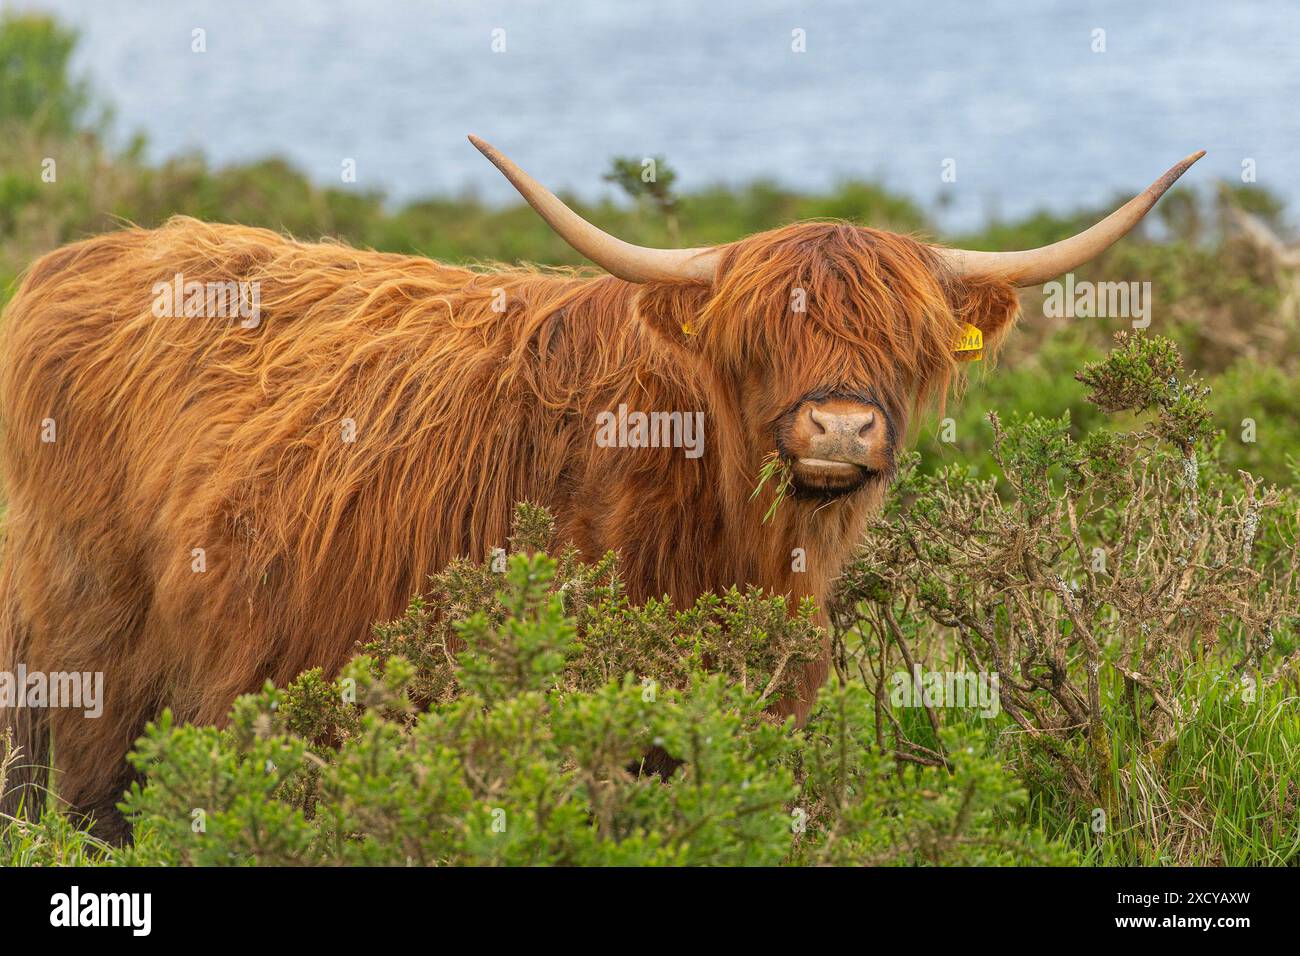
(60, 619)
(656, 762)
(808, 682)
(23, 790)
(90, 772)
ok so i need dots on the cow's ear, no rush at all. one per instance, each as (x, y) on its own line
(991, 305)
(671, 312)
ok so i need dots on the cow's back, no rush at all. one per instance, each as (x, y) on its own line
(197, 503)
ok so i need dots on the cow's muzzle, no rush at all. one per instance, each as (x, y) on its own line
(836, 444)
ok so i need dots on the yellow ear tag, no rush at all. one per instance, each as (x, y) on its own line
(970, 344)
(688, 328)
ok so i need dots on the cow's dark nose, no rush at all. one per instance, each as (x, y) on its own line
(842, 430)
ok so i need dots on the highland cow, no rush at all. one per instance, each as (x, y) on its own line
(198, 504)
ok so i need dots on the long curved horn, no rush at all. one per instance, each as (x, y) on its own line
(633, 263)
(1034, 266)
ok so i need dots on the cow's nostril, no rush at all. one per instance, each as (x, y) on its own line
(866, 425)
(816, 417)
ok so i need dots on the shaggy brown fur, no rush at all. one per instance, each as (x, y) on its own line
(182, 433)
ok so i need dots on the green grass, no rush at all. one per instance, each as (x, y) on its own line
(1229, 794)
(53, 841)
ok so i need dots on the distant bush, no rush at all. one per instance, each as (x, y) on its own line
(37, 90)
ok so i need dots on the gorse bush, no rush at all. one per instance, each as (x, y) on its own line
(505, 720)
(755, 640)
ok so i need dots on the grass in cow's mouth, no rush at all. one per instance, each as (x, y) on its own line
(774, 466)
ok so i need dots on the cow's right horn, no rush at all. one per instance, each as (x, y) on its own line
(633, 263)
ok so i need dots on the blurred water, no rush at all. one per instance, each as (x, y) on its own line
(1013, 92)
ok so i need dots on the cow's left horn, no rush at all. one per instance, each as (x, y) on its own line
(1034, 266)
(633, 263)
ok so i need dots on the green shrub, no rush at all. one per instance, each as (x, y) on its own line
(525, 746)
(36, 88)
